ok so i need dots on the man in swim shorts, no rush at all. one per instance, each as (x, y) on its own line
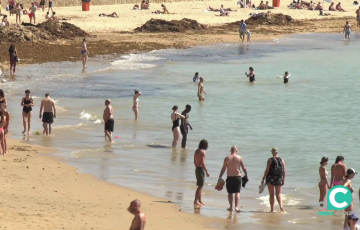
(242, 30)
(108, 118)
(48, 105)
(32, 14)
(232, 164)
(347, 30)
(184, 128)
(199, 161)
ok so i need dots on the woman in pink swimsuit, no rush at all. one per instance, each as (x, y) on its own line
(338, 171)
(324, 183)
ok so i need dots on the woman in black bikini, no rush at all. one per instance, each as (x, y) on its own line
(175, 117)
(275, 178)
(27, 102)
(251, 75)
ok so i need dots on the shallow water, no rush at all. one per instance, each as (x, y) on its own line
(315, 115)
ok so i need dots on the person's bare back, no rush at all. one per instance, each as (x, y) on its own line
(108, 113)
(139, 221)
(199, 158)
(233, 163)
(48, 104)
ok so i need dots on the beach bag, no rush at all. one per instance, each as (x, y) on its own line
(277, 167)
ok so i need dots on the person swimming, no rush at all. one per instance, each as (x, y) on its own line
(251, 75)
(285, 77)
(196, 77)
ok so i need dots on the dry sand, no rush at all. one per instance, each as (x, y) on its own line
(41, 193)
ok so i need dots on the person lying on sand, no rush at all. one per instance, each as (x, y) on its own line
(332, 7)
(339, 8)
(113, 15)
(56, 18)
(144, 5)
(4, 21)
(217, 10)
(223, 12)
(267, 5)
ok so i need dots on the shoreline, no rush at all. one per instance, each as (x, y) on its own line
(52, 194)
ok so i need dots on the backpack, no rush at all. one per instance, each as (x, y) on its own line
(277, 167)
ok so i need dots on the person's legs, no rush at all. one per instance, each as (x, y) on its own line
(237, 200)
(230, 199)
(136, 112)
(271, 197)
(198, 195)
(184, 137)
(176, 133)
(2, 137)
(5, 143)
(322, 188)
(14, 67)
(108, 134)
(83, 60)
(24, 121)
(29, 121)
(278, 197)
(86, 58)
(34, 18)
(45, 128)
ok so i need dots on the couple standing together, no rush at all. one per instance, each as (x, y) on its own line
(274, 175)
(185, 125)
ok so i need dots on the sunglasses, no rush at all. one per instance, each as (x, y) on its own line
(355, 219)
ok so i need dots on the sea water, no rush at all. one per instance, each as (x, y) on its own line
(314, 115)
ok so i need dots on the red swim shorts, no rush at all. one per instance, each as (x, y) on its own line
(31, 15)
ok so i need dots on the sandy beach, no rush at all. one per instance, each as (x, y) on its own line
(43, 193)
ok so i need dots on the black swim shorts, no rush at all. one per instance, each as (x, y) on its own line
(233, 184)
(109, 125)
(48, 117)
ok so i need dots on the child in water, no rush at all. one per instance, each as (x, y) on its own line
(196, 77)
(248, 35)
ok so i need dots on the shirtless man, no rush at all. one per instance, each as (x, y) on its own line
(108, 118)
(358, 17)
(48, 116)
(199, 162)
(184, 128)
(139, 220)
(201, 89)
(232, 164)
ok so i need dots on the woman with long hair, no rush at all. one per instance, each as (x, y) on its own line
(338, 171)
(135, 107)
(175, 117)
(324, 183)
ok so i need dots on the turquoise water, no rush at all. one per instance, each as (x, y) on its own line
(315, 115)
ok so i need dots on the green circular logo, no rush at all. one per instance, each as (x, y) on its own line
(339, 198)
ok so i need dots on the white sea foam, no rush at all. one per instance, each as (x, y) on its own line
(286, 199)
(134, 62)
(70, 127)
(89, 117)
(84, 153)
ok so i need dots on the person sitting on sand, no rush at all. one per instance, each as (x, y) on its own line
(165, 10)
(223, 12)
(144, 5)
(136, 7)
(4, 21)
(339, 8)
(319, 6)
(262, 6)
(250, 5)
(267, 6)
(47, 16)
(332, 7)
(311, 6)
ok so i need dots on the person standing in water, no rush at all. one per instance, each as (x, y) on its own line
(347, 30)
(108, 118)
(275, 178)
(251, 75)
(232, 164)
(199, 162)
(184, 128)
(201, 90)
(84, 53)
(338, 171)
(350, 174)
(139, 220)
(135, 107)
(324, 183)
(196, 77)
(48, 105)
(285, 77)
(175, 117)
(6, 125)
(27, 102)
(358, 16)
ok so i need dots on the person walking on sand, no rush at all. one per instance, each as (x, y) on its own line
(251, 75)
(18, 11)
(201, 89)
(184, 128)
(50, 6)
(338, 171)
(84, 53)
(27, 102)
(324, 183)
(275, 178)
(32, 14)
(13, 57)
(199, 162)
(242, 30)
(135, 107)
(232, 164)
(175, 117)
(285, 77)
(347, 30)
(139, 221)
(350, 174)
(48, 105)
(6, 125)
(108, 118)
